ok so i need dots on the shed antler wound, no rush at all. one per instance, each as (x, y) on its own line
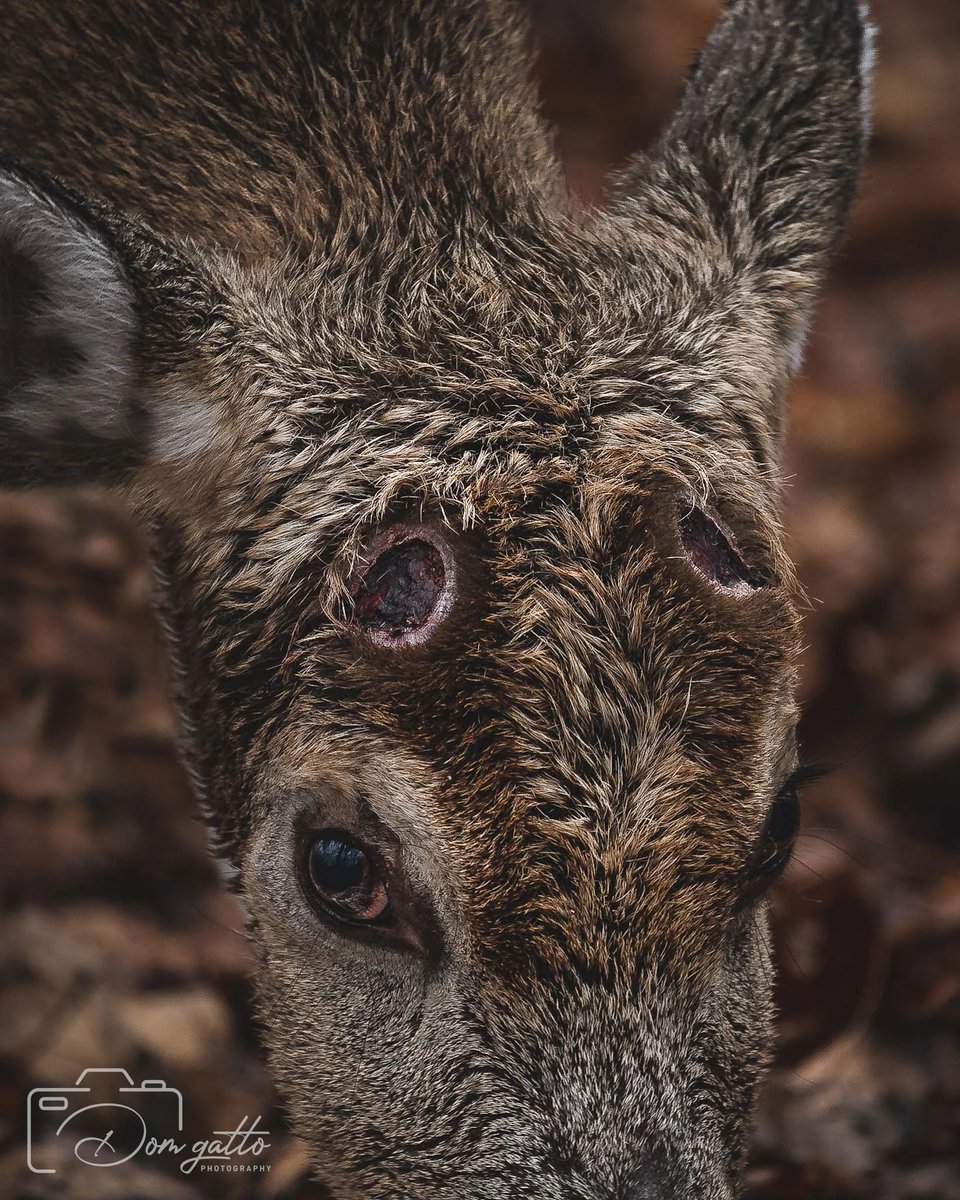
(404, 593)
(714, 553)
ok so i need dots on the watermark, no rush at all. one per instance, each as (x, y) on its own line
(144, 1120)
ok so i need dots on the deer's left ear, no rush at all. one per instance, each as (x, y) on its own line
(755, 174)
(93, 309)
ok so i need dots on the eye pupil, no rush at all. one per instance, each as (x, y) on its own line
(784, 817)
(343, 876)
(338, 866)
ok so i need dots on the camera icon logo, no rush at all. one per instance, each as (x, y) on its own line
(99, 1132)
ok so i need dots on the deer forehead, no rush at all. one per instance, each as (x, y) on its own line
(567, 333)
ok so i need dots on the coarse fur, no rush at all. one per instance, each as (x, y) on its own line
(319, 263)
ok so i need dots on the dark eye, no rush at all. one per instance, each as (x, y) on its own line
(346, 880)
(775, 844)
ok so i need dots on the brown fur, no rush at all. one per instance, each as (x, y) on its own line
(365, 297)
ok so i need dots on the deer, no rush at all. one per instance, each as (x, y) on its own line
(463, 502)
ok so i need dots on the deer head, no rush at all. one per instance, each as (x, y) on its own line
(463, 503)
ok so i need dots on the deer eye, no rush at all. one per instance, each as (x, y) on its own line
(346, 879)
(405, 591)
(775, 845)
(713, 553)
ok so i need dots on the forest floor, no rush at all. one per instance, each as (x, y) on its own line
(118, 943)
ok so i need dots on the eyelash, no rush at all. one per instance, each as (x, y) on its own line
(808, 773)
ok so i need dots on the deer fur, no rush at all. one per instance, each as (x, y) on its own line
(285, 274)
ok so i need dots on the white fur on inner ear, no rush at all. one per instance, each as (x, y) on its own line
(82, 303)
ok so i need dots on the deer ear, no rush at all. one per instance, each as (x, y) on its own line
(84, 295)
(758, 168)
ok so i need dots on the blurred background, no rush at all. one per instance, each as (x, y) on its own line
(118, 944)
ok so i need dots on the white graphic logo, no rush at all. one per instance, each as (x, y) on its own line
(110, 1132)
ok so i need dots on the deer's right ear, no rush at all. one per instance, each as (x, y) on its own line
(86, 297)
(753, 178)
